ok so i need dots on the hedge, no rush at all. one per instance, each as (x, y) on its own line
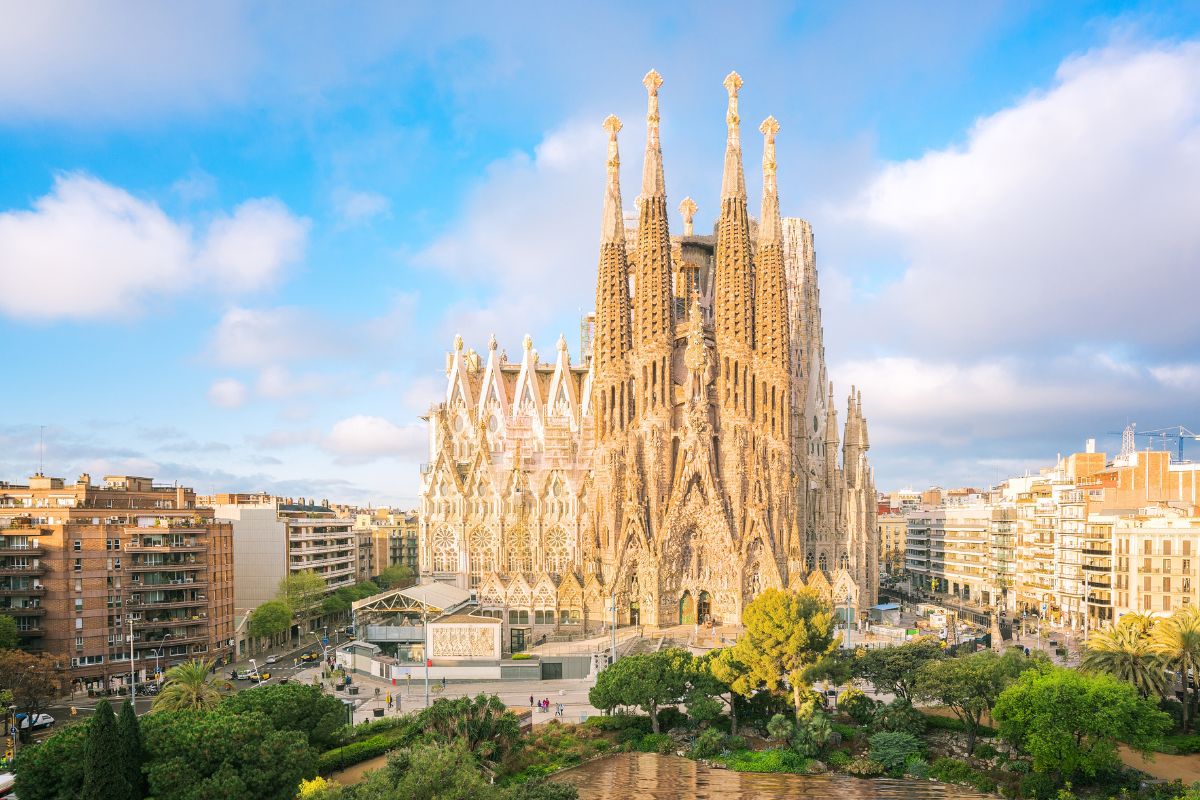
(938, 722)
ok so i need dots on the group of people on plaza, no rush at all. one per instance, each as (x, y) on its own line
(544, 706)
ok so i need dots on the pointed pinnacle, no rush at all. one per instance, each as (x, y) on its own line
(652, 81)
(612, 124)
(769, 127)
(732, 83)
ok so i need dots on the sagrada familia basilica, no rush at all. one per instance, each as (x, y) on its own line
(687, 462)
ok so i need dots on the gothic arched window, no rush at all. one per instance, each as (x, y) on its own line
(445, 550)
(809, 562)
(823, 562)
(845, 563)
(558, 552)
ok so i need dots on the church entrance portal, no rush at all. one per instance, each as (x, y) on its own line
(687, 609)
(635, 613)
(704, 608)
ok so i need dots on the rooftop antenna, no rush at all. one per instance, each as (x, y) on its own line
(41, 449)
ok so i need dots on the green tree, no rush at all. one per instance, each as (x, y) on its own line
(788, 634)
(1126, 653)
(396, 576)
(484, 725)
(436, 771)
(893, 750)
(8, 632)
(189, 686)
(132, 756)
(968, 685)
(645, 680)
(1177, 641)
(303, 592)
(780, 728)
(198, 755)
(270, 619)
(732, 674)
(293, 707)
(858, 706)
(1070, 722)
(54, 769)
(34, 680)
(103, 773)
(891, 670)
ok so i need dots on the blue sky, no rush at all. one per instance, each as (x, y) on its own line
(237, 238)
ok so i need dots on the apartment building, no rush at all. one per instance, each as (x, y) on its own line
(892, 536)
(83, 567)
(275, 537)
(393, 538)
(1081, 543)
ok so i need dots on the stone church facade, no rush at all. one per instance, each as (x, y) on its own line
(688, 460)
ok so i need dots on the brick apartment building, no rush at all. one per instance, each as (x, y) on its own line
(81, 566)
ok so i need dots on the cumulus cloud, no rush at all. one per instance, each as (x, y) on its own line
(90, 250)
(359, 207)
(255, 337)
(364, 438)
(227, 393)
(1059, 221)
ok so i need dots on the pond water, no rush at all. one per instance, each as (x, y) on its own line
(632, 776)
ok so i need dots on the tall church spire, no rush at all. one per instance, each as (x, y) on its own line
(733, 296)
(772, 336)
(653, 304)
(613, 341)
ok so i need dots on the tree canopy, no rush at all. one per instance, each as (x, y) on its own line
(189, 686)
(8, 632)
(788, 634)
(968, 685)
(1070, 722)
(270, 619)
(34, 680)
(303, 592)
(396, 576)
(645, 680)
(293, 707)
(131, 754)
(197, 755)
(103, 772)
(892, 669)
(1176, 640)
(54, 769)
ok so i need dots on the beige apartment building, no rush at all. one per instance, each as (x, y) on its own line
(387, 538)
(83, 566)
(892, 533)
(1081, 543)
(275, 537)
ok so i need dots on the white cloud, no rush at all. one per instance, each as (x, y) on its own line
(279, 383)
(1059, 220)
(91, 250)
(356, 208)
(255, 337)
(528, 230)
(363, 438)
(248, 250)
(227, 393)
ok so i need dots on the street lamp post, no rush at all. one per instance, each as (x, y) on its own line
(132, 665)
(425, 636)
(613, 653)
(157, 666)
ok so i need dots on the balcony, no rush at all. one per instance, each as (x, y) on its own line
(165, 641)
(187, 547)
(167, 566)
(22, 591)
(24, 611)
(182, 582)
(30, 570)
(38, 631)
(152, 604)
(168, 622)
(18, 550)
(1097, 567)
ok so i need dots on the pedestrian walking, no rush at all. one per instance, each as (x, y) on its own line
(443, 681)
(531, 701)
(389, 701)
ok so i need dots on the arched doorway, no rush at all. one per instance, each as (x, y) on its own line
(687, 609)
(635, 613)
(704, 608)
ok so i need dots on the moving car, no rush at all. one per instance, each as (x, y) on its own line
(272, 659)
(39, 721)
(311, 655)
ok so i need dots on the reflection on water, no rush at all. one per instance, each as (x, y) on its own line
(632, 776)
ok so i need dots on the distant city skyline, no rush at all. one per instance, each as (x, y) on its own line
(235, 244)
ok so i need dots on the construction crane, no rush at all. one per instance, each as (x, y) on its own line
(1178, 433)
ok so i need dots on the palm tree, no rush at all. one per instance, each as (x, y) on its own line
(1127, 654)
(1177, 641)
(190, 685)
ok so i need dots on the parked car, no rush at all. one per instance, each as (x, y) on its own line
(7, 782)
(261, 676)
(244, 675)
(39, 721)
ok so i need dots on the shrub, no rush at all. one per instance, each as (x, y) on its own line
(864, 768)
(671, 717)
(917, 767)
(858, 706)
(780, 728)
(847, 732)
(655, 743)
(521, 656)
(1181, 744)
(899, 716)
(838, 759)
(1039, 786)
(952, 770)
(985, 750)
(939, 723)
(812, 735)
(893, 749)
(710, 742)
(778, 760)
(616, 723)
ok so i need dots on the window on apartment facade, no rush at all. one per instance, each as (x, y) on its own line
(79, 604)
(78, 642)
(1147, 547)
(1166, 602)
(1167, 548)
(1145, 602)
(1146, 583)
(1166, 565)
(78, 585)
(79, 565)
(77, 545)
(1166, 583)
